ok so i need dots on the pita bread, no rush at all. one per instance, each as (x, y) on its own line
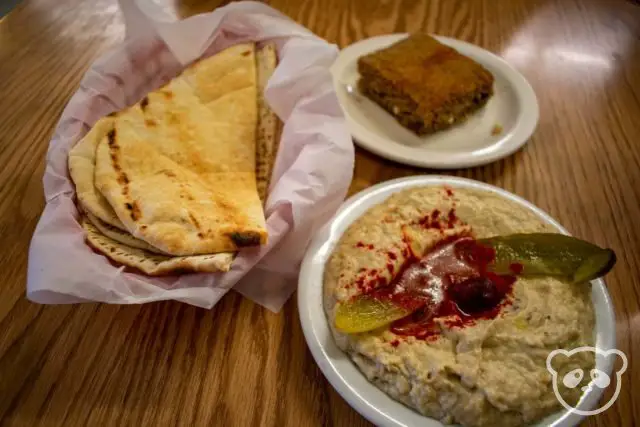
(223, 74)
(178, 168)
(266, 144)
(155, 264)
(210, 79)
(82, 162)
(120, 236)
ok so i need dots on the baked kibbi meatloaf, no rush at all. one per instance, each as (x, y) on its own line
(424, 84)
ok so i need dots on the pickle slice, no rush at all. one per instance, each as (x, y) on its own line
(365, 313)
(550, 254)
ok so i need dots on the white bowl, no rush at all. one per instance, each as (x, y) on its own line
(345, 377)
(513, 106)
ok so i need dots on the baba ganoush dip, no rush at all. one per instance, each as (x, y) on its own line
(479, 367)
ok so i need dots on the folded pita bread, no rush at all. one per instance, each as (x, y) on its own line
(178, 168)
(82, 165)
(266, 144)
(120, 236)
(154, 264)
(210, 79)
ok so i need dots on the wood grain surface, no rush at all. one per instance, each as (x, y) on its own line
(239, 364)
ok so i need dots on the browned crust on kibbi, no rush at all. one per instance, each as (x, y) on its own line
(424, 84)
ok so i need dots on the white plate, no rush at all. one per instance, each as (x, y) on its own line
(513, 106)
(345, 377)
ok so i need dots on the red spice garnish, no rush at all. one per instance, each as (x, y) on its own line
(390, 267)
(392, 256)
(516, 268)
(474, 253)
(406, 251)
(503, 282)
(364, 245)
(426, 222)
(369, 280)
(434, 220)
(431, 221)
(380, 281)
(395, 343)
(403, 299)
(448, 191)
(451, 218)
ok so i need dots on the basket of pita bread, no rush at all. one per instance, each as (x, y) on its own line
(197, 157)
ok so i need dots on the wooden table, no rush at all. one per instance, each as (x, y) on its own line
(239, 364)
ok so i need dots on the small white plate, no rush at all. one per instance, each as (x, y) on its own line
(513, 107)
(345, 377)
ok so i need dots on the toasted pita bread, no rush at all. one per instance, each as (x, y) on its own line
(178, 168)
(82, 163)
(210, 79)
(266, 144)
(121, 236)
(155, 264)
(222, 74)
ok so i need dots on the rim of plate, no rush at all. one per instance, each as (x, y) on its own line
(511, 142)
(338, 368)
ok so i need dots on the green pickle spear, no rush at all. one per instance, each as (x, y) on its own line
(542, 254)
(365, 314)
(550, 254)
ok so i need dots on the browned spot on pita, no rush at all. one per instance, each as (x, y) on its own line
(173, 119)
(112, 249)
(111, 138)
(168, 173)
(112, 114)
(231, 213)
(245, 53)
(167, 94)
(194, 220)
(200, 235)
(144, 102)
(134, 210)
(143, 227)
(123, 178)
(114, 149)
(149, 122)
(224, 205)
(249, 238)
